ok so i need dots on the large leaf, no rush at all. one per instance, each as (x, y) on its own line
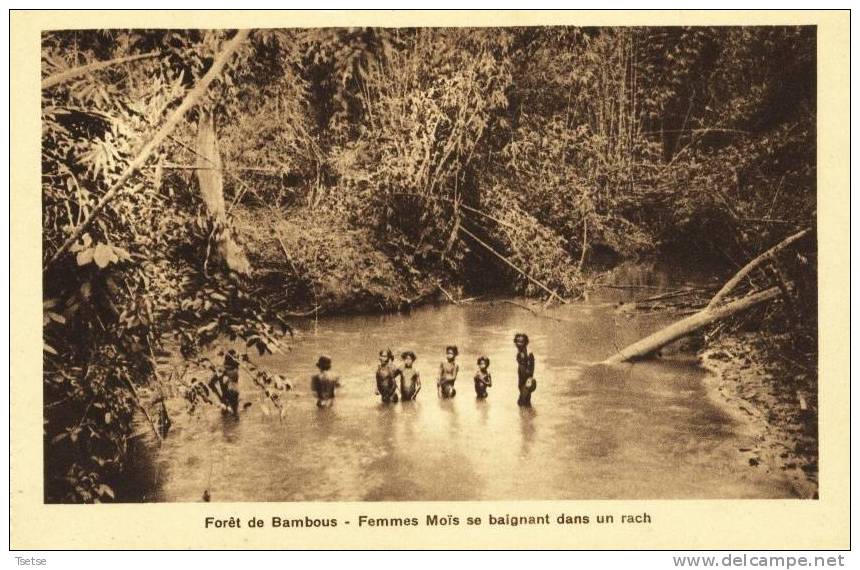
(85, 256)
(207, 328)
(103, 255)
(55, 317)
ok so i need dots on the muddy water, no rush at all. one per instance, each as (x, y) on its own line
(639, 431)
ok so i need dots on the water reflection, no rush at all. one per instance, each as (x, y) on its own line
(450, 413)
(527, 429)
(643, 431)
(229, 425)
(483, 409)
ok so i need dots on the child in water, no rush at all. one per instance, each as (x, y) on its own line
(448, 373)
(324, 383)
(386, 385)
(483, 380)
(410, 381)
(226, 384)
(525, 369)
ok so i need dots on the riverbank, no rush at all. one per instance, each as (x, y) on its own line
(319, 261)
(307, 262)
(773, 398)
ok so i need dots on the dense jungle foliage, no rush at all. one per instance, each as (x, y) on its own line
(365, 169)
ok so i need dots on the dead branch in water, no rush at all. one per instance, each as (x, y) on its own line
(301, 314)
(670, 295)
(746, 269)
(534, 312)
(447, 294)
(645, 287)
(714, 311)
(651, 344)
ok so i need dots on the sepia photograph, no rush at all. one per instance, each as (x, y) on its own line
(429, 264)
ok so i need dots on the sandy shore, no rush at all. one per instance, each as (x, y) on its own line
(773, 399)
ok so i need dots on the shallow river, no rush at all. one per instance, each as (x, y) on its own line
(639, 431)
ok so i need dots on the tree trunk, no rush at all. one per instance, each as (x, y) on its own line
(650, 344)
(209, 174)
(211, 181)
(714, 311)
(738, 277)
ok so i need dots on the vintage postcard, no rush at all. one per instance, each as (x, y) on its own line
(429, 280)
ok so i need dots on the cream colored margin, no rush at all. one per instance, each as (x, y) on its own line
(737, 524)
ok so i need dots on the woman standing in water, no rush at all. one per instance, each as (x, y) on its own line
(448, 373)
(483, 379)
(226, 384)
(386, 385)
(410, 380)
(324, 383)
(525, 369)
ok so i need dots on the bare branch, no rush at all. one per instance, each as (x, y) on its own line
(746, 269)
(511, 264)
(63, 76)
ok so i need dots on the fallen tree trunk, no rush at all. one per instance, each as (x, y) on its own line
(714, 311)
(650, 344)
(746, 269)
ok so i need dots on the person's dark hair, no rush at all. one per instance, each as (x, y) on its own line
(522, 336)
(408, 353)
(231, 359)
(324, 363)
(453, 349)
(386, 352)
(483, 359)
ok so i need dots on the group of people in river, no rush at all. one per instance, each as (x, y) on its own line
(325, 382)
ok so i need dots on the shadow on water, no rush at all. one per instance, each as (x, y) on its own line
(483, 411)
(644, 431)
(527, 429)
(229, 428)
